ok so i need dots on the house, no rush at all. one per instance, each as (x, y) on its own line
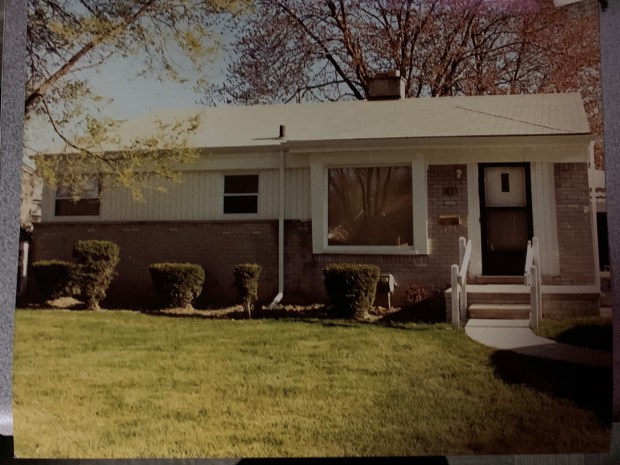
(31, 192)
(394, 182)
(29, 214)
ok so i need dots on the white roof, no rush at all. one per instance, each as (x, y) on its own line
(465, 116)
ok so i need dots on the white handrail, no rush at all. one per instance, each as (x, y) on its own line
(529, 261)
(458, 279)
(465, 263)
(532, 277)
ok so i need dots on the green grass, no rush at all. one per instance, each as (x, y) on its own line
(124, 384)
(592, 332)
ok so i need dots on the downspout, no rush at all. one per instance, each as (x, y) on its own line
(280, 294)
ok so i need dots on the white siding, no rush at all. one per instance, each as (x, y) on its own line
(268, 194)
(297, 198)
(198, 197)
(545, 217)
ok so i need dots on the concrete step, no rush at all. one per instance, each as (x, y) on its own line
(497, 323)
(490, 297)
(499, 311)
(497, 279)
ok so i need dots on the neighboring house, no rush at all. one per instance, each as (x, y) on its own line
(597, 187)
(31, 197)
(29, 213)
(393, 182)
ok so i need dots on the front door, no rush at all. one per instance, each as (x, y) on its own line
(505, 217)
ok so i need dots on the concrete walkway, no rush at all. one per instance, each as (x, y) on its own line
(515, 335)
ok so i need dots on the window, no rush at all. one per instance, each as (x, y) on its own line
(379, 209)
(370, 206)
(241, 194)
(87, 205)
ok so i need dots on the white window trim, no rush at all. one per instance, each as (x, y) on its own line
(239, 216)
(319, 180)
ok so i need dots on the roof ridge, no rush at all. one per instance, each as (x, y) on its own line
(517, 120)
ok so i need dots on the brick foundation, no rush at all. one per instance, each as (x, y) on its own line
(217, 246)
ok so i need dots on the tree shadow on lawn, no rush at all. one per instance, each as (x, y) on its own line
(589, 335)
(588, 386)
(429, 310)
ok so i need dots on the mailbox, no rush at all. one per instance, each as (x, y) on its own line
(387, 283)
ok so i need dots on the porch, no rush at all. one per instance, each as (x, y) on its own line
(523, 298)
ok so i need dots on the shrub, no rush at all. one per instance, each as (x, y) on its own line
(246, 280)
(95, 269)
(177, 284)
(416, 293)
(351, 287)
(54, 278)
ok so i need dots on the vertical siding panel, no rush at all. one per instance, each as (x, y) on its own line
(297, 197)
(305, 194)
(212, 198)
(147, 209)
(203, 196)
(167, 199)
(264, 193)
(182, 198)
(106, 212)
(268, 196)
(195, 186)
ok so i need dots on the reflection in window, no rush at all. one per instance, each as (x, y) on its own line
(241, 193)
(370, 206)
(87, 204)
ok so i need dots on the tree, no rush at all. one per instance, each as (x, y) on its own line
(300, 50)
(68, 37)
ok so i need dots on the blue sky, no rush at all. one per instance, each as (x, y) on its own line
(132, 96)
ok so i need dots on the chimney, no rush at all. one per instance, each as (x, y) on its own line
(386, 86)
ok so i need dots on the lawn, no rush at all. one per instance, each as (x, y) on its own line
(124, 384)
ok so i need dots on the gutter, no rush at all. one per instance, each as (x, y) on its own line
(281, 189)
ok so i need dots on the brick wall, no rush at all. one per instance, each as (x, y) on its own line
(219, 245)
(574, 223)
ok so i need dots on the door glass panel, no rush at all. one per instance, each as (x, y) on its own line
(505, 186)
(507, 230)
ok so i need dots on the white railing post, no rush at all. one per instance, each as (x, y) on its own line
(463, 282)
(536, 252)
(454, 272)
(535, 301)
(23, 268)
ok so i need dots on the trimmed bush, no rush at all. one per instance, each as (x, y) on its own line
(95, 269)
(54, 278)
(177, 284)
(351, 287)
(246, 280)
(417, 293)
